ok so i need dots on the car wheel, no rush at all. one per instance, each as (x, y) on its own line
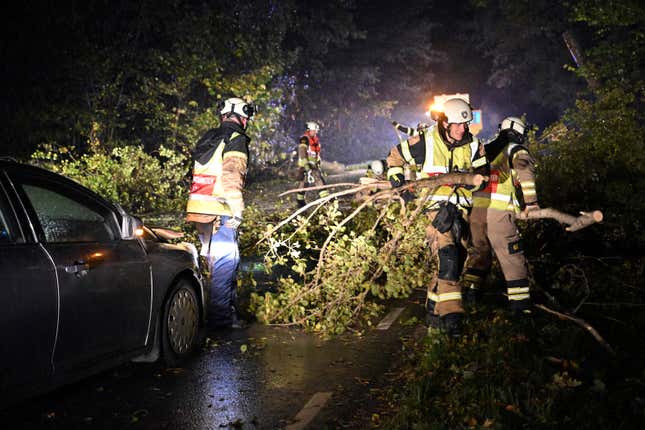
(180, 324)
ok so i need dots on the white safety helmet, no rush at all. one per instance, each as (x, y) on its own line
(235, 105)
(457, 111)
(313, 126)
(513, 123)
(377, 167)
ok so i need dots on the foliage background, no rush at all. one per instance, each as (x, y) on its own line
(114, 94)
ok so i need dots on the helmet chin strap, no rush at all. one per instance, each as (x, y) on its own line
(448, 136)
(445, 134)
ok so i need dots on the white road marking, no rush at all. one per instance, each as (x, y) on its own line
(389, 319)
(309, 411)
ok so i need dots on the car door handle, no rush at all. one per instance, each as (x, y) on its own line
(79, 267)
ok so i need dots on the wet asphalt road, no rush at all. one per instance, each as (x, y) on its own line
(259, 377)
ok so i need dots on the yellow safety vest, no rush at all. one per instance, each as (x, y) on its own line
(499, 193)
(312, 149)
(206, 191)
(437, 162)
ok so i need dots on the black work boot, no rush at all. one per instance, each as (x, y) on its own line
(520, 308)
(452, 324)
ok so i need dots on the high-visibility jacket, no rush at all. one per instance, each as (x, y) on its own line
(308, 151)
(219, 172)
(511, 177)
(434, 157)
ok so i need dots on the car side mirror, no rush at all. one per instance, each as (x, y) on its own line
(131, 227)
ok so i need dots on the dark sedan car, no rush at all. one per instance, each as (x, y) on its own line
(84, 286)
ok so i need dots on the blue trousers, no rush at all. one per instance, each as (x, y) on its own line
(223, 257)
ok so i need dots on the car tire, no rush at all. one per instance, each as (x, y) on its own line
(180, 324)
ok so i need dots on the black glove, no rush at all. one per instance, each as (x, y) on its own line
(397, 181)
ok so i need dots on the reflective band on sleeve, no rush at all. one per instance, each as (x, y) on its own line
(474, 147)
(235, 154)
(392, 171)
(469, 277)
(519, 296)
(433, 296)
(405, 149)
(528, 188)
(510, 147)
(448, 296)
(479, 162)
(520, 151)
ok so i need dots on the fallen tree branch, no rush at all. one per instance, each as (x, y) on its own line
(615, 304)
(336, 229)
(313, 287)
(316, 188)
(320, 201)
(433, 182)
(582, 323)
(574, 223)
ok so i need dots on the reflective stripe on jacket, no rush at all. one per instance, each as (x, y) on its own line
(432, 159)
(506, 180)
(440, 159)
(209, 192)
(308, 150)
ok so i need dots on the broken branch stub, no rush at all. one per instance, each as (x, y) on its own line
(574, 223)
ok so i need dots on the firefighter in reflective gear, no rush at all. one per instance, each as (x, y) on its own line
(215, 204)
(309, 173)
(511, 188)
(445, 147)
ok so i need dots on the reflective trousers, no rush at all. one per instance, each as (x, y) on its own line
(223, 257)
(444, 293)
(494, 231)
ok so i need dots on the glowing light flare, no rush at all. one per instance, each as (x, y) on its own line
(434, 107)
(138, 232)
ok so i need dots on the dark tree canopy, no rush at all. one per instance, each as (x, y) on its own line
(147, 73)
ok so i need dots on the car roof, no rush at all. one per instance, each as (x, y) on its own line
(12, 164)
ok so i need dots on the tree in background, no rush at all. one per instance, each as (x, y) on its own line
(138, 83)
(594, 156)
